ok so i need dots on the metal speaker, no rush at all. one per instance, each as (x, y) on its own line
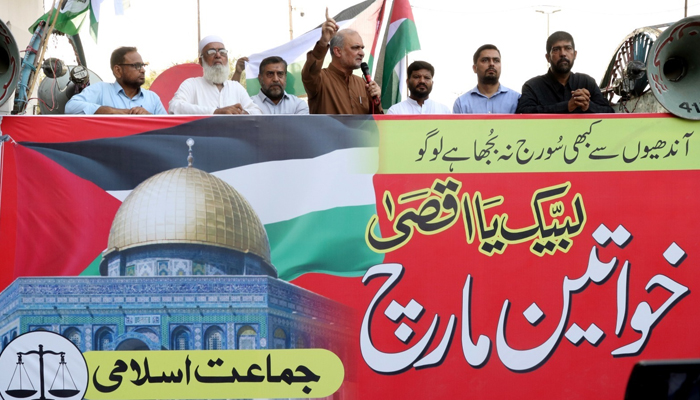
(673, 68)
(54, 93)
(54, 67)
(9, 63)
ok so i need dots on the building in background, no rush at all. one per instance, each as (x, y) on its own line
(187, 268)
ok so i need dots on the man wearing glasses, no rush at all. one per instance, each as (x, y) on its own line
(561, 91)
(124, 96)
(212, 93)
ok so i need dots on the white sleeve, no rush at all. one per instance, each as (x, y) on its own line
(246, 102)
(181, 102)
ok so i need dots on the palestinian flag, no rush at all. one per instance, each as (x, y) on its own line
(95, 15)
(401, 39)
(72, 15)
(62, 185)
(365, 18)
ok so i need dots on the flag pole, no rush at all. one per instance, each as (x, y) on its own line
(378, 66)
(44, 42)
(199, 29)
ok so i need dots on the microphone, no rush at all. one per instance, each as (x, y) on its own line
(365, 71)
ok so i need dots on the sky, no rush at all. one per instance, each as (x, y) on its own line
(165, 32)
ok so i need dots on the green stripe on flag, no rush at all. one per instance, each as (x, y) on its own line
(391, 94)
(94, 24)
(330, 241)
(94, 268)
(404, 40)
(70, 17)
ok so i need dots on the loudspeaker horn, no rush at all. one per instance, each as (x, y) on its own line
(9, 63)
(673, 68)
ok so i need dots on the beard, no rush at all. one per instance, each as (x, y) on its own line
(273, 92)
(489, 79)
(216, 74)
(561, 67)
(419, 93)
(134, 83)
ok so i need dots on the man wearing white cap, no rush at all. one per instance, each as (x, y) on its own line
(212, 93)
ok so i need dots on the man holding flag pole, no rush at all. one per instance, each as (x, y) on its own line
(335, 90)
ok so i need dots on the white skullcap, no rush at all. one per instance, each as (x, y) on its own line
(209, 39)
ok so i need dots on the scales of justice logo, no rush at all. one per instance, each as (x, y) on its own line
(42, 365)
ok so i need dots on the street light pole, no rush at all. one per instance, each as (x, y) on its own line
(291, 30)
(548, 10)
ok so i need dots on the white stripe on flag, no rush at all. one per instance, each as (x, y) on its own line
(96, 5)
(282, 190)
(393, 27)
(290, 51)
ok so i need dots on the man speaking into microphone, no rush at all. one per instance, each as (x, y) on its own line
(335, 90)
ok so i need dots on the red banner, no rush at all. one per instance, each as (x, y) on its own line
(494, 258)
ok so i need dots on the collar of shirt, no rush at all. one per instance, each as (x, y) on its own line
(339, 73)
(119, 89)
(554, 81)
(476, 91)
(415, 102)
(266, 99)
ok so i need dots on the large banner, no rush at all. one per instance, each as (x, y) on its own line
(484, 257)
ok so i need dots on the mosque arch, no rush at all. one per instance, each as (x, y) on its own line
(181, 338)
(214, 338)
(247, 338)
(74, 335)
(280, 339)
(104, 338)
(301, 342)
(132, 344)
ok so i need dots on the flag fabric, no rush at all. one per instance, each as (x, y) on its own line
(326, 181)
(365, 18)
(70, 17)
(120, 6)
(542, 254)
(95, 6)
(401, 39)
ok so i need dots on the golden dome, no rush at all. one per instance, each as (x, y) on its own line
(188, 205)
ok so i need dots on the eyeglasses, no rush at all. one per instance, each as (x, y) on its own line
(137, 66)
(211, 52)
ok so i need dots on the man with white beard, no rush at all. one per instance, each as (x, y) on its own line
(212, 93)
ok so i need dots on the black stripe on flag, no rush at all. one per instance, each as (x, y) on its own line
(220, 143)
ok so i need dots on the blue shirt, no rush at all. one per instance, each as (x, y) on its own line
(288, 104)
(504, 101)
(101, 94)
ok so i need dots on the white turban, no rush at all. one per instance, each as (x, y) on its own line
(209, 39)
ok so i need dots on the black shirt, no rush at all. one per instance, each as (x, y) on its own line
(545, 95)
